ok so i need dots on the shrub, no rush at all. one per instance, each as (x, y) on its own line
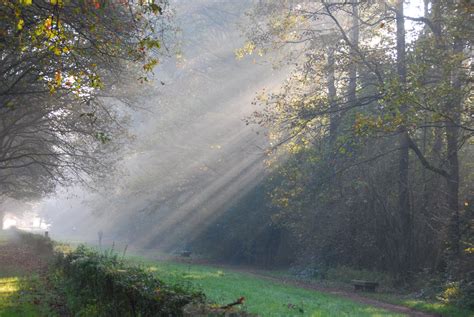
(40, 244)
(100, 284)
(460, 293)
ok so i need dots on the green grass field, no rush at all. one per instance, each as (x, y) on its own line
(21, 293)
(268, 298)
(438, 308)
(262, 297)
(340, 279)
(19, 299)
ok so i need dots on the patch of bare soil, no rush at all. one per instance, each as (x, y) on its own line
(20, 258)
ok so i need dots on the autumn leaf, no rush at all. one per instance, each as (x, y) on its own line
(57, 77)
(47, 23)
(57, 2)
(20, 24)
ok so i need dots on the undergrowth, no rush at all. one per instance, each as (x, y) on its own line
(101, 284)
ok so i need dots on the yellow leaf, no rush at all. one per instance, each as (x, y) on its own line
(47, 23)
(20, 24)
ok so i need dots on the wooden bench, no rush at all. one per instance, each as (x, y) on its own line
(366, 286)
(185, 253)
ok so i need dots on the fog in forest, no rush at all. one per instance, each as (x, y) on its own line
(192, 154)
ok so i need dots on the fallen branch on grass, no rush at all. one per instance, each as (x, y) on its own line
(240, 301)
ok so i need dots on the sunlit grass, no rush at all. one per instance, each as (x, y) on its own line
(23, 297)
(19, 288)
(263, 297)
(439, 308)
(11, 303)
(339, 278)
(8, 285)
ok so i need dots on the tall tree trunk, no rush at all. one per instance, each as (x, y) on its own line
(452, 138)
(403, 159)
(453, 110)
(351, 102)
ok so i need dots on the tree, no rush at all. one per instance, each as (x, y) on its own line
(388, 97)
(62, 61)
(406, 252)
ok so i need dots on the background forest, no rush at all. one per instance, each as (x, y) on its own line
(372, 157)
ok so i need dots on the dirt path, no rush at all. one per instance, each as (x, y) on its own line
(357, 297)
(20, 259)
(341, 293)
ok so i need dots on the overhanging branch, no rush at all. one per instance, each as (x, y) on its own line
(412, 145)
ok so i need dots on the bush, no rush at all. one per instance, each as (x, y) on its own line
(100, 284)
(460, 293)
(40, 244)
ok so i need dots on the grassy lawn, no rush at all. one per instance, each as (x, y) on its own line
(16, 298)
(340, 279)
(438, 308)
(262, 297)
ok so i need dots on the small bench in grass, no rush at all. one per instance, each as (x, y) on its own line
(185, 253)
(366, 286)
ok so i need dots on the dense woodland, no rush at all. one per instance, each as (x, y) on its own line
(369, 163)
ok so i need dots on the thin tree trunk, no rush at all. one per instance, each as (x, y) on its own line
(403, 167)
(352, 86)
(452, 137)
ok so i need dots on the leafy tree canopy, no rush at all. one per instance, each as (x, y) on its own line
(60, 60)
